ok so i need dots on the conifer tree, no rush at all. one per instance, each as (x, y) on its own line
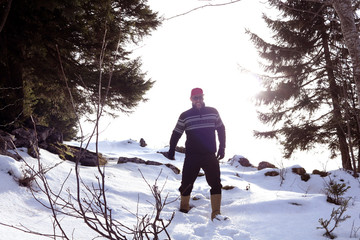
(31, 79)
(310, 82)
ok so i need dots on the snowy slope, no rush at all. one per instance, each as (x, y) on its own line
(259, 207)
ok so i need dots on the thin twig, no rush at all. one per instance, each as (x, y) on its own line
(201, 7)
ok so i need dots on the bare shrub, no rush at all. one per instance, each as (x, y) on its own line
(336, 217)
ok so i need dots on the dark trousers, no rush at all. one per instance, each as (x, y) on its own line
(191, 169)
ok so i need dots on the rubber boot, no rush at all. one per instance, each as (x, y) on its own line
(215, 205)
(185, 204)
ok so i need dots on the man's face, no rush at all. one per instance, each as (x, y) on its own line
(197, 101)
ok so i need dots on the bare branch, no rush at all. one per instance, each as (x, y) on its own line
(26, 230)
(201, 7)
(5, 15)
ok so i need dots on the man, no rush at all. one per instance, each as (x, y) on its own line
(200, 123)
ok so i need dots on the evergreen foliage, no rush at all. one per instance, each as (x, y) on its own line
(335, 191)
(92, 38)
(309, 92)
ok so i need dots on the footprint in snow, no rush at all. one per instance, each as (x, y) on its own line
(218, 231)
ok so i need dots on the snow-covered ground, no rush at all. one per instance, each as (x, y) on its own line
(259, 207)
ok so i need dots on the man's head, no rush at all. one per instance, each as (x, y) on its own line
(197, 97)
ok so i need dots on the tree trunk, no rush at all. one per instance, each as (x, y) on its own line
(337, 116)
(351, 35)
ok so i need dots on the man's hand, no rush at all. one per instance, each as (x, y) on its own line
(221, 154)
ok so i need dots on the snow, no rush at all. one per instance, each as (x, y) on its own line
(259, 207)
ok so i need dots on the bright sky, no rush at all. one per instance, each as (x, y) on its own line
(201, 49)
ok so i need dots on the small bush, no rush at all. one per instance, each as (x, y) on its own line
(27, 178)
(335, 191)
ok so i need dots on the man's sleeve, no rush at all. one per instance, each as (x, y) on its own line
(221, 132)
(176, 135)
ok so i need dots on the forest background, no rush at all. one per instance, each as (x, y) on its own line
(310, 72)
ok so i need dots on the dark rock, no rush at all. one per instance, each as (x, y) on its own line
(43, 133)
(321, 173)
(299, 170)
(7, 143)
(32, 140)
(24, 137)
(74, 154)
(302, 172)
(6, 140)
(153, 163)
(263, 165)
(64, 151)
(244, 162)
(51, 140)
(142, 143)
(133, 160)
(55, 137)
(239, 159)
(173, 168)
(305, 177)
(272, 173)
(89, 159)
(141, 161)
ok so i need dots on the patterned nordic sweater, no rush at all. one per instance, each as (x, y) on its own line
(200, 126)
